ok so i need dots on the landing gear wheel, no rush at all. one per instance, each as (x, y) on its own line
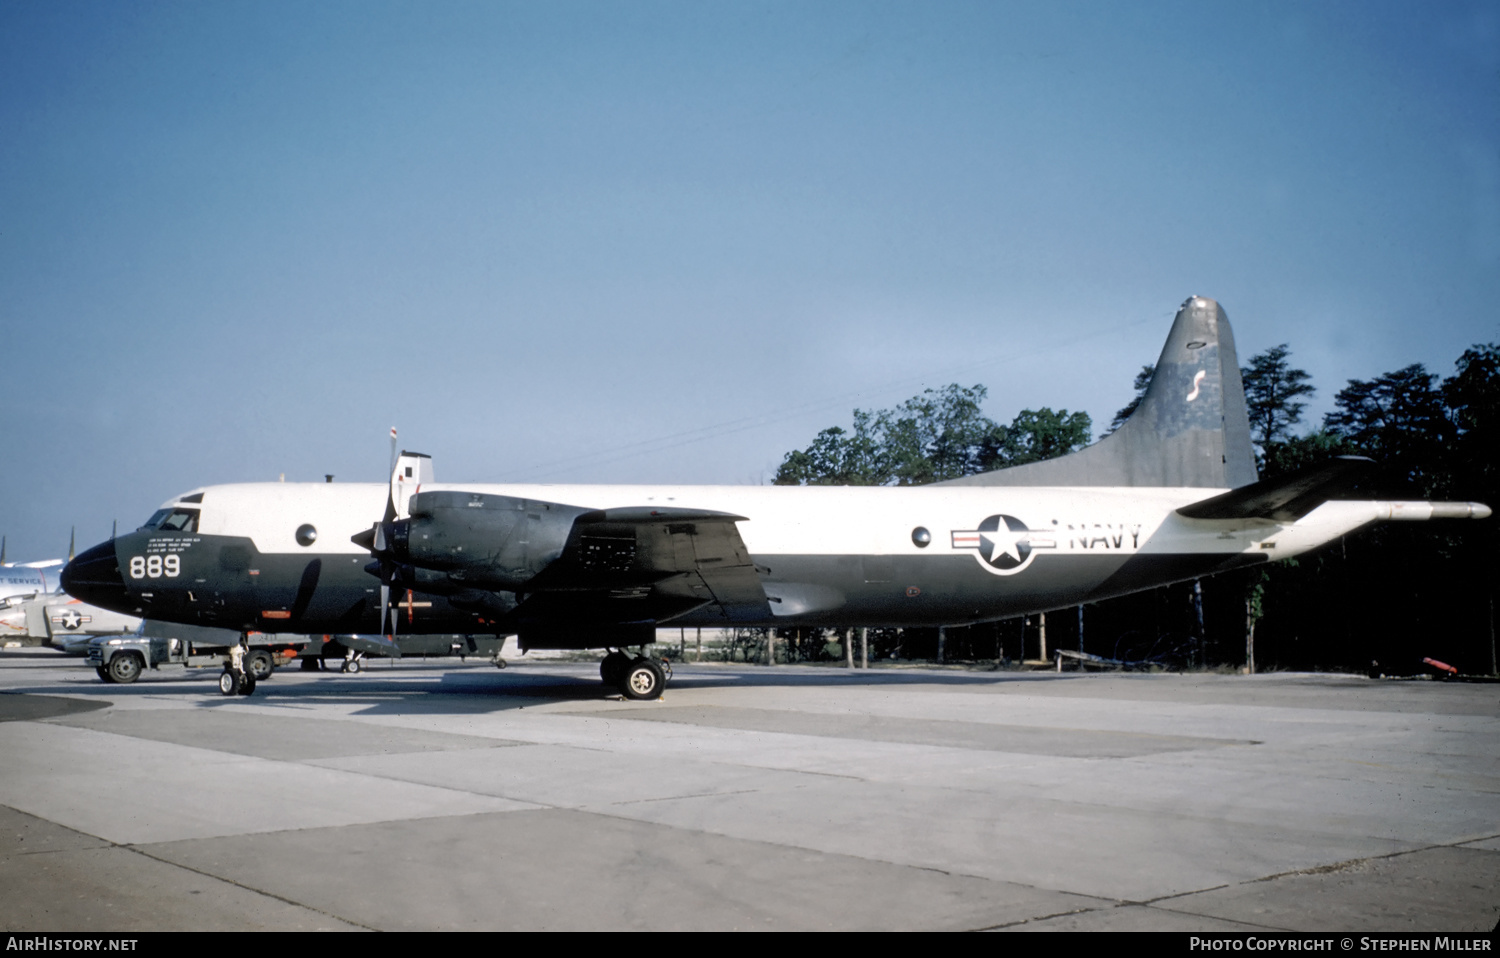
(247, 684)
(643, 679)
(228, 684)
(612, 668)
(499, 663)
(351, 666)
(259, 665)
(104, 674)
(124, 669)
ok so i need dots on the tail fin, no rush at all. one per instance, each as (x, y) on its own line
(1191, 428)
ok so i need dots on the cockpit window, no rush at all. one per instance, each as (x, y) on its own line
(181, 520)
(173, 520)
(156, 518)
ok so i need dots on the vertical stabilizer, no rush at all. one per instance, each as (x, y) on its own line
(1191, 428)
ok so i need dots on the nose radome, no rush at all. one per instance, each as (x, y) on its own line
(94, 576)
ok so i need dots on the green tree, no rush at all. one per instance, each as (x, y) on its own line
(1472, 396)
(1299, 451)
(1272, 388)
(839, 458)
(1398, 419)
(1037, 434)
(1142, 382)
(936, 435)
(940, 434)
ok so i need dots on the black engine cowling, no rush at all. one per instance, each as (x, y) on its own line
(482, 541)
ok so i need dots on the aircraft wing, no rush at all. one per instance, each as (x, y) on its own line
(1284, 498)
(645, 564)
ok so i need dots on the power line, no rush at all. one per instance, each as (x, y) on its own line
(730, 427)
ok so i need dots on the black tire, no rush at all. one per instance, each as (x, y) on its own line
(260, 665)
(228, 683)
(104, 674)
(125, 668)
(643, 679)
(612, 668)
(352, 666)
(247, 684)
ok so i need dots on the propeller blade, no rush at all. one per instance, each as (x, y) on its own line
(72, 540)
(2, 550)
(390, 501)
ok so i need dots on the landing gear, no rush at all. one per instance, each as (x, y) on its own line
(236, 683)
(259, 664)
(636, 678)
(643, 679)
(351, 663)
(612, 668)
(237, 679)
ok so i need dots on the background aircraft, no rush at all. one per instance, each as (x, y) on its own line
(57, 619)
(29, 578)
(1171, 495)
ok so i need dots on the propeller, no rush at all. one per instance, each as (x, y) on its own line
(409, 471)
(387, 569)
(2, 550)
(72, 540)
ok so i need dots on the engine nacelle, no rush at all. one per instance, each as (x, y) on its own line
(481, 541)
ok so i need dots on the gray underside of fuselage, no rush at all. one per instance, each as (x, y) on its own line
(334, 594)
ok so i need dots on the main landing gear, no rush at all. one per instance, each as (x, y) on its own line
(636, 678)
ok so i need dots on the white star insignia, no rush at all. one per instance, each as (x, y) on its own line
(1004, 542)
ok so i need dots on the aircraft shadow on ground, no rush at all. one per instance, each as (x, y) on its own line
(469, 691)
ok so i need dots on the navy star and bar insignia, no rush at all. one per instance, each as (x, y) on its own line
(1003, 544)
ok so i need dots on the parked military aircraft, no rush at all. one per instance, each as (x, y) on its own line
(58, 619)
(28, 578)
(1171, 495)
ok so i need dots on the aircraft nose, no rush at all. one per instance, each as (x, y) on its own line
(94, 576)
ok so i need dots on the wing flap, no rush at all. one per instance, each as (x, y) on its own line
(645, 564)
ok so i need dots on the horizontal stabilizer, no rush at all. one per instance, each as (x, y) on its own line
(1283, 498)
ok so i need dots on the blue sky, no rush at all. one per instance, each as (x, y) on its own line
(640, 242)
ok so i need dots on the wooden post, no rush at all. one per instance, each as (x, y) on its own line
(770, 647)
(1249, 636)
(681, 644)
(698, 656)
(1198, 616)
(1042, 631)
(864, 648)
(848, 648)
